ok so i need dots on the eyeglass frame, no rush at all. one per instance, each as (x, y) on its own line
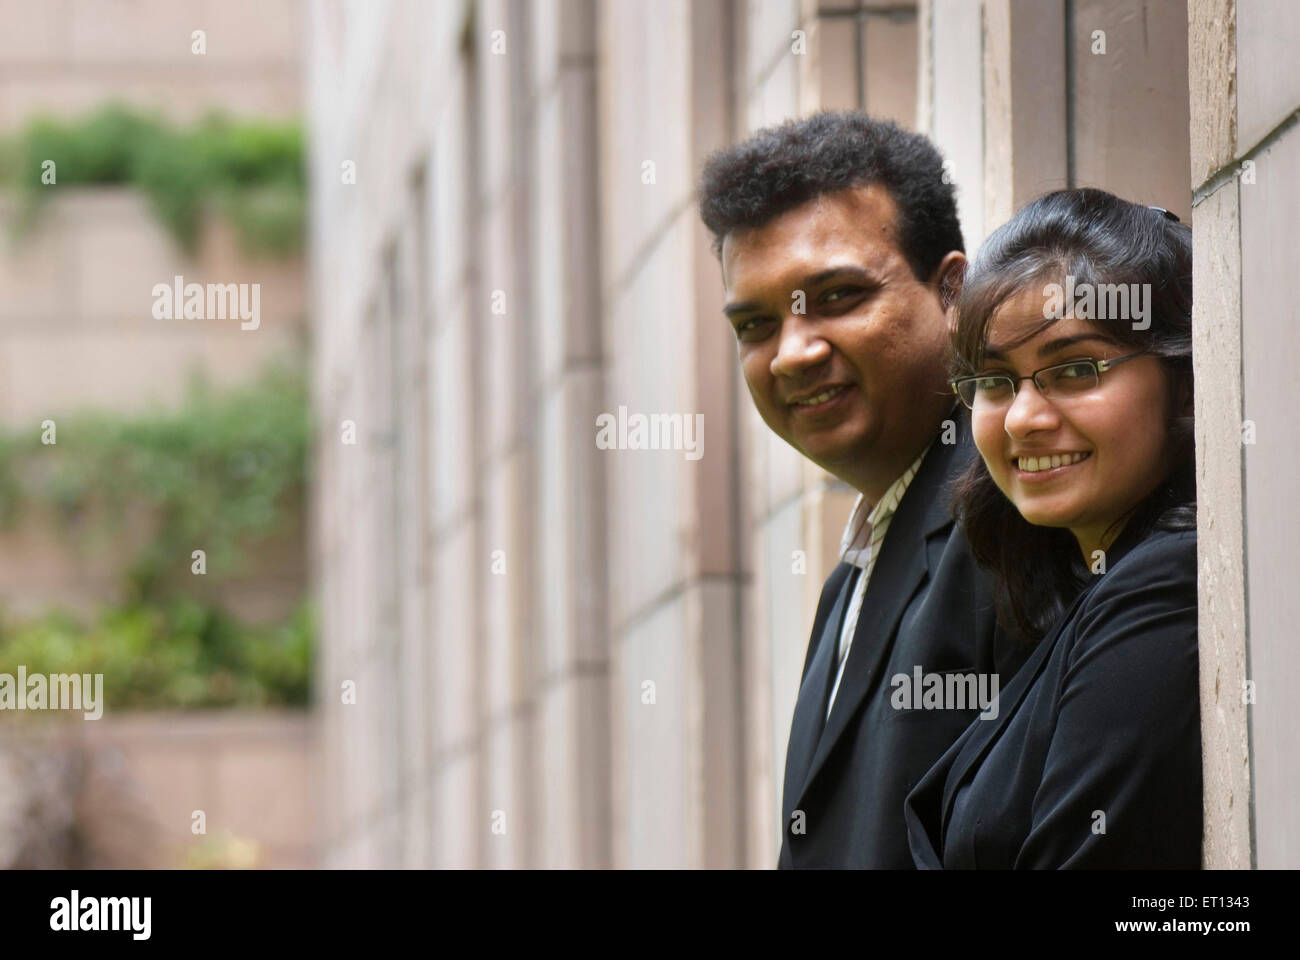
(1100, 366)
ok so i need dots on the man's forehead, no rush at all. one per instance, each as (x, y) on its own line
(855, 225)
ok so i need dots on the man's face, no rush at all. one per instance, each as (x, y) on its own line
(858, 377)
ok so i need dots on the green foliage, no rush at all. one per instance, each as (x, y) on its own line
(217, 471)
(221, 473)
(179, 654)
(250, 171)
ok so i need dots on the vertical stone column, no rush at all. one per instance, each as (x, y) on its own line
(572, 693)
(1024, 104)
(1128, 101)
(951, 105)
(503, 339)
(1245, 148)
(1217, 327)
(664, 103)
(457, 564)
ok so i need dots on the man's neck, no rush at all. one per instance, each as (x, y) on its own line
(872, 484)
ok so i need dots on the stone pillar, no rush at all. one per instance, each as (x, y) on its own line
(1245, 84)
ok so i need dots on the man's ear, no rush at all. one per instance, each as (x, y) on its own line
(947, 279)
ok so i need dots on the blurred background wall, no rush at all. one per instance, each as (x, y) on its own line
(76, 329)
(80, 347)
(536, 652)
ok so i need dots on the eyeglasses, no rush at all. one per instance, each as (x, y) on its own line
(1057, 382)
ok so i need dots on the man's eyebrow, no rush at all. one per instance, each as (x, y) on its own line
(846, 272)
(747, 306)
(1051, 346)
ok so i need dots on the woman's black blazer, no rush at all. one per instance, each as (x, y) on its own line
(1094, 758)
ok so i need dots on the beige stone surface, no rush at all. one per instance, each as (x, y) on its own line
(508, 823)
(1270, 336)
(451, 377)
(1212, 82)
(147, 773)
(453, 631)
(508, 638)
(573, 814)
(571, 528)
(768, 24)
(1268, 71)
(890, 54)
(76, 300)
(651, 518)
(656, 766)
(64, 58)
(1220, 535)
(953, 62)
(648, 62)
(718, 725)
(1130, 106)
(833, 42)
(778, 95)
(461, 821)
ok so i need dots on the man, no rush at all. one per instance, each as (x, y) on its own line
(841, 251)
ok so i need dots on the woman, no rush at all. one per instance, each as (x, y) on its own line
(1083, 507)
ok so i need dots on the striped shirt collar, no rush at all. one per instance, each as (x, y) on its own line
(855, 543)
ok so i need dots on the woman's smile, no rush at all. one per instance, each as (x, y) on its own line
(1046, 467)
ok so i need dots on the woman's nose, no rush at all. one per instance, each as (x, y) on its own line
(1030, 411)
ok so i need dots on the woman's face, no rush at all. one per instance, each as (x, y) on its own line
(1107, 448)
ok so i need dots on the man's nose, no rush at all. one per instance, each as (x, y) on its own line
(1030, 411)
(800, 347)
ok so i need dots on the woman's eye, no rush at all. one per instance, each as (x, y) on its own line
(1076, 371)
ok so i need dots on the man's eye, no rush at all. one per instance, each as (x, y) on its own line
(750, 327)
(839, 293)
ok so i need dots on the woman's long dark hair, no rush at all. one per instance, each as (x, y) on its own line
(1097, 238)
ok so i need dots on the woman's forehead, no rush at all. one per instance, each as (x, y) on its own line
(1022, 319)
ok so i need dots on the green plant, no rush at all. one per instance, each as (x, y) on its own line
(224, 472)
(250, 171)
(216, 472)
(176, 654)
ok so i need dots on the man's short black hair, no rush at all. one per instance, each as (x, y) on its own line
(779, 168)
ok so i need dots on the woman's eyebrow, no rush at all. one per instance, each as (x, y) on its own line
(1051, 346)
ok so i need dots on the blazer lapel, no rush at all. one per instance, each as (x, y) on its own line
(984, 733)
(900, 569)
(810, 708)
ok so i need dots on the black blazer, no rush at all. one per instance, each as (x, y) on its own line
(927, 604)
(1102, 720)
